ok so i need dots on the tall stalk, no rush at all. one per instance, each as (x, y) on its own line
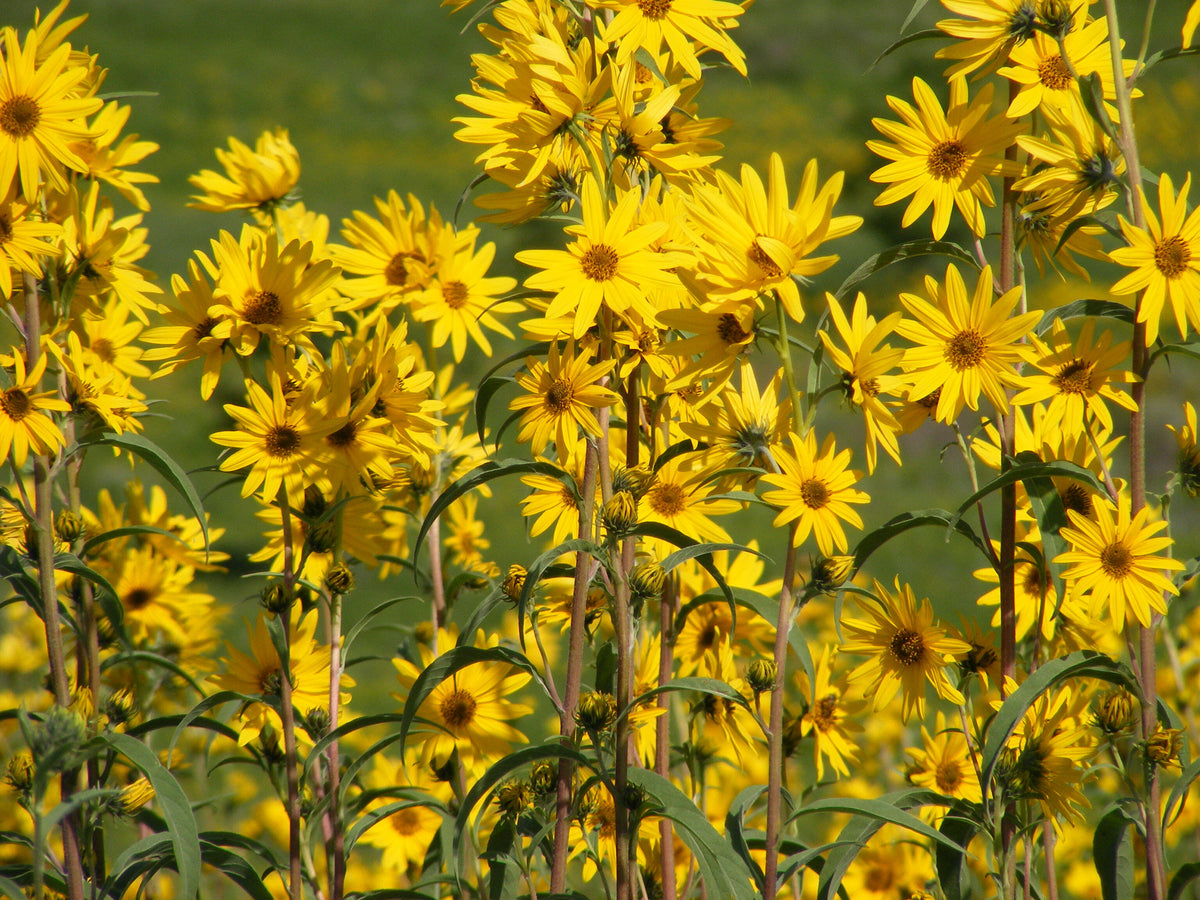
(287, 712)
(775, 735)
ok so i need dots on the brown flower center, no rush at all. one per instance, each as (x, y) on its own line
(406, 823)
(599, 262)
(908, 647)
(458, 709)
(948, 777)
(1075, 377)
(947, 160)
(965, 350)
(455, 294)
(19, 116)
(559, 396)
(203, 329)
(263, 308)
(1172, 255)
(16, 404)
(1078, 498)
(137, 598)
(668, 499)
(654, 9)
(730, 330)
(815, 493)
(6, 228)
(395, 272)
(1054, 74)
(282, 441)
(1116, 560)
(879, 878)
(344, 436)
(822, 712)
(760, 258)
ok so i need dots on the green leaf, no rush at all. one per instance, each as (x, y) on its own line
(924, 35)
(959, 828)
(696, 550)
(885, 811)
(483, 397)
(171, 800)
(139, 858)
(1184, 875)
(235, 869)
(1108, 309)
(734, 827)
(366, 620)
(899, 253)
(873, 540)
(373, 817)
(358, 723)
(711, 686)
(533, 575)
(482, 474)
(1174, 804)
(10, 888)
(166, 467)
(535, 350)
(1092, 90)
(1051, 517)
(210, 702)
(917, 6)
(126, 531)
(724, 873)
(1171, 53)
(1081, 663)
(680, 449)
(679, 539)
(69, 562)
(1029, 467)
(481, 612)
(448, 664)
(768, 609)
(1112, 854)
(504, 866)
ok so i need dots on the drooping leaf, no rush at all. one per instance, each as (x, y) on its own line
(899, 253)
(1184, 875)
(710, 686)
(873, 540)
(1112, 854)
(1028, 467)
(951, 862)
(923, 35)
(537, 569)
(504, 868)
(376, 611)
(235, 869)
(1086, 308)
(176, 811)
(696, 550)
(1174, 804)
(735, 818)
(885, 810)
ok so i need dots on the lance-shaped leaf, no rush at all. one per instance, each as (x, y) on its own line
(679, 539)
(1028, 467)
(488, 471)
(735, 825)
(901, 252)
(960, 826)
(1087, 308)
(873, 540)
(1112, 854)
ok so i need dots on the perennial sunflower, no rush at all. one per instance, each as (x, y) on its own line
(944, 157)
(1119, 562)
(24, 423)
(559, 397)
(23, 242)
(680, 24)
(815, 490)
(255, 179)
(964, 347)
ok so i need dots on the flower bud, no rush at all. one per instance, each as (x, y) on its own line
(314, 504)
(322, 536)
(68, 526)
(597, 711)
(646, 581)
(316, 722)
(1056, 18)
(1162, 747)
(134, 796)
(544, 777)
(513, 798)
(1114, 712)
(120, 708)
(620, 514)
(275, 598)
(59, 735)
(761, 675)
(830, 572)
(636, 481)
(20, 771)
(339, 579)
(514, 582)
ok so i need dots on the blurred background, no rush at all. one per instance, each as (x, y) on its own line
(367, 90)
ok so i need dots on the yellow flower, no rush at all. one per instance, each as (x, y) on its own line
(189, 335)
(680, 499)
(255, 179)
(830, 716)
(559, 398)
(1165, 259)
(1118, 562)
(1191, 23)
(944, 763)
(404, 836)
(816, 489)
(41, 113)
(24, 425)
(1187, 436)
(944, 158)
(906, 648)
(994, 28)
(609, 264)
(106, 159)
(22, 242)
(677, 23)
(743, 426)
(964, 348)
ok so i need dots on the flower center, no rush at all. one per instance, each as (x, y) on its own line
(730, 330)
(263, 308)
(908, 647)
(965, 350)
(1078, 498)
(282, 441)
(458, 709)
(1054, 74)
(1116, 560)
(1034, 582)
(815, 493)
(406, 822)
(1172, 255)
(667, 499)
(948, 777)
(137, 598)
(822, 713)
(270, 683)
(19, 116)
(203, 329)
(947, 160)
(559, 396)
(455, 294)
(6, 228)
(760, 258)
(880, 878)
(1075, 377)
(395, 272)
(16, 404)
(103, 348)
(654, 9)
(344, 436)
(599, 262)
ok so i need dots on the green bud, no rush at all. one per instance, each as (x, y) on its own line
(597, 711)
(68, 526)
(620, 514)
(339, 579)
(646, 581)
(761, 675)
(275, 598)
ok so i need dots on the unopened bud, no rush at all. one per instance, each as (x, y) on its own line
(620, 514)
(597, 711)
(120, 708)
(646, 581)
(543, 777)
(20, 771)
(513, 798)
(314, 504)
(636, 481)
(761, 675)
(339, 579)
(322, 536)
(275, 598)
(514, 582)
(134, 796)
(68, 526)
(1162, 747)
(1115, 712)
(316, 722)
(830, 572)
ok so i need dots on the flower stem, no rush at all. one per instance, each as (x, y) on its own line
(287, 713)
(775, 733)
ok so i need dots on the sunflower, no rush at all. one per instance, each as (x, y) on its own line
(24, 425)
(154, 593)
(743, 425)
(680, 24)
(1186, 435)
(994, 28)
(610, 263)
(559, 398)
(257, 179)
(964, 347)
(467, 712)
(943, 763)
(1165, 258)
(679, 498)
(405, 835)
(260, 673)
(906, 649)
(22, 242)
(41, 113)
(721, 334)
(1075, 378)
(554, 504)
(280, 442)
(460, 299)
(724, 723)
(866, 368)
(1118, 562)
(108, 161)
(830, 717)
(944, 158)
(189, 334)
(815, 489)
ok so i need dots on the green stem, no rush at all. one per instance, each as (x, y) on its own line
(800, 423)
(775, 733)
(287, 712)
